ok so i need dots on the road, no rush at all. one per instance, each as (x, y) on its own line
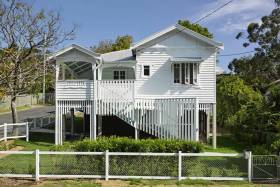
(31, 113)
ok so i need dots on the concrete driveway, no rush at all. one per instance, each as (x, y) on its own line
(36, 111)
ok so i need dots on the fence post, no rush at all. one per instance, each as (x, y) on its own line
(107, 165)
(27, 132)
(37, 165)
(248, 155)
(180, 166)
(5, 132)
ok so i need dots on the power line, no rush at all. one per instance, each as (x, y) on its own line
(214, 11)
(235, 54)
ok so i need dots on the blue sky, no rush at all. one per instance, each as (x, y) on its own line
(106, 19)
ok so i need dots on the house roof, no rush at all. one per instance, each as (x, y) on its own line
(118, 56)
(178, 28)
(74, 46)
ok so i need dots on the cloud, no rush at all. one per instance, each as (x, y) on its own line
(237, 15)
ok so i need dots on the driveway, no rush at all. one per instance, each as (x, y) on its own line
(37, 111)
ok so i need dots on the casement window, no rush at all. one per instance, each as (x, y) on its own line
(185, 73)
(119, 75)
(146, 70)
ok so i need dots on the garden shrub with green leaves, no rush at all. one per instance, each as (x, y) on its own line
(123, 144)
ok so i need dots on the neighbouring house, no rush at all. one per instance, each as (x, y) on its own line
(163, 86)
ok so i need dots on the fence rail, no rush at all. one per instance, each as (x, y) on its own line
(123, 165)
(13, 131)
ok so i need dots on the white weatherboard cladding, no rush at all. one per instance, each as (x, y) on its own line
(160, 83)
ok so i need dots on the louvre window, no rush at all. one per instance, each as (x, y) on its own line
(185, 73)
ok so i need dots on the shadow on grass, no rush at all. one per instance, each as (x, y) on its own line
(226, 144)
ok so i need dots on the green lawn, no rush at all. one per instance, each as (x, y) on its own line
(226, 144)
(41, 141)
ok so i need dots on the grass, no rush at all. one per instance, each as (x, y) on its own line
(68, 183)
(226, 144)
(41, 141)
(187, 182)
(25, 107)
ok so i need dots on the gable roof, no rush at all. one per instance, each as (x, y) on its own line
(74, 46)
(177, 28)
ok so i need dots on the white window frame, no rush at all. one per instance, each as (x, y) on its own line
(187, 73)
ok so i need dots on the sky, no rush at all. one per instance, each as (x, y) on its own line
(106, 19)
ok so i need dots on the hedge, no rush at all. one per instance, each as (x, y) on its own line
(122, 144)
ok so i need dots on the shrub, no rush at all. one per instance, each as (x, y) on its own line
(120, 144)
(275, 147)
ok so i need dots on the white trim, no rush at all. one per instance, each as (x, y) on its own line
(72, 176)
(218, 178)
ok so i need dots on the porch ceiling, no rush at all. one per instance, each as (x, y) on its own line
(78, 67)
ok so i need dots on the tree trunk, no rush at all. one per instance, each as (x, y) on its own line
(14, 114)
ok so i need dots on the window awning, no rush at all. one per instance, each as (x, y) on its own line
(186, 59)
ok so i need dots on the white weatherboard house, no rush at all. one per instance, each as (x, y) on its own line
(163, 86)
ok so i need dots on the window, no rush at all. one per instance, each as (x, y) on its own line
(119, 75)
(146, 70)
(185, 73)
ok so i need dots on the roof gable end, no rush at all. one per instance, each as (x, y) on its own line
(178, 28)
(71, 47)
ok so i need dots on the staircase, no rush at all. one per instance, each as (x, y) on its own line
(169, 118)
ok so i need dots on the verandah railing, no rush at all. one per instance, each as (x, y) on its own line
(14, 131)
(125, 165)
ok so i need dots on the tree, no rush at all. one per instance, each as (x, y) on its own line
(103, 47)
(232, 94)
(196, 28)
(265, 63)
(24, 36)
(106, 46)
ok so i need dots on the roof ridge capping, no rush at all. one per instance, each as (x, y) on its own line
(181, 29)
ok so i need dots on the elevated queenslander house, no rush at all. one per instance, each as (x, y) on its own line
(163, 86)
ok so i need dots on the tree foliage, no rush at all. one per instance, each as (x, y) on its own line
(196, 28)
(232, 94)
(106, 46)
(24, 35)
(264, 66)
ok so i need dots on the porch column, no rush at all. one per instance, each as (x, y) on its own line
(93, 105)
(214, 135)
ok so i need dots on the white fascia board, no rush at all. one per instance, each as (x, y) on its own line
(74, 46)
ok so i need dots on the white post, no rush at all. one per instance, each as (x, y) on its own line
(196, 126)
(208, 126)
(37, 165)
(180, 166)
(249, 157)
(27, 132)
(106, 165)
(214, 133)
(5, 132)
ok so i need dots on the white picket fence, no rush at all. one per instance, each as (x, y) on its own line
(14, 131)
(125, 165)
